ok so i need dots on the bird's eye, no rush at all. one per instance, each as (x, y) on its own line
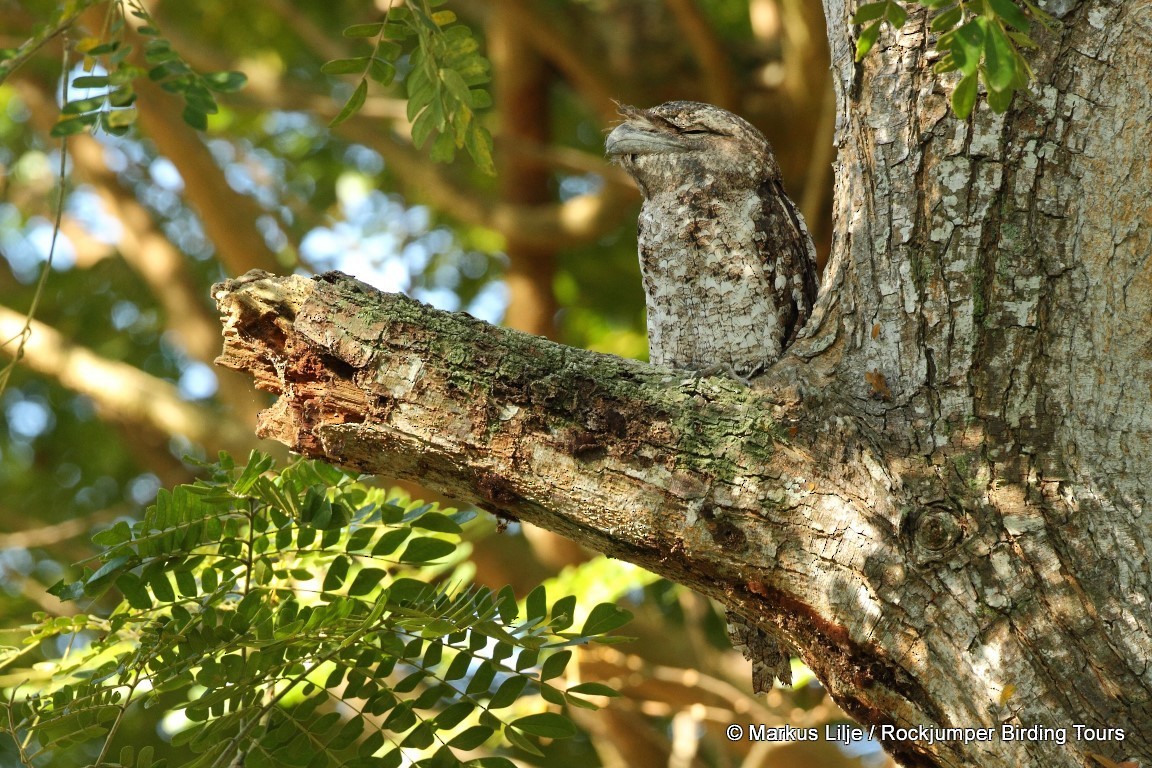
(694, 131)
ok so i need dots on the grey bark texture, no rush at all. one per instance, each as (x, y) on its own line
(939, 495)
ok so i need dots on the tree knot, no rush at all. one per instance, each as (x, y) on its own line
(935, 530)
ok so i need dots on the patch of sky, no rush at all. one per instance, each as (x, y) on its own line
(115, 157)
(165, 174)
(26, 243)
(490, 303)
(41, 234)
(167, 203)
(143, 488)
(255, 172)
(28, 417)
(258, 174)
(367, 161)
(85, 207)
(197, 381)
(294, 134)
(187, 234)
(441, 298)
(386, 243)
(67, 92)
(473, 265)
(584, 184)
(223, 152)
(273, 235)
(124, 314)
(20, 254)
(48, 571)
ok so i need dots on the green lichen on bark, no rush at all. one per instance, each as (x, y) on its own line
(718, 428)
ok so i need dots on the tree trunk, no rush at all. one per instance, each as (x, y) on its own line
(939, 495)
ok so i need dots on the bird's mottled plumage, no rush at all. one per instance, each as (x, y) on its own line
(729, 268)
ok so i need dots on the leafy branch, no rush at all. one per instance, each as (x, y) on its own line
(111, 108)
(298, 616)
(981, 39)
(12, 59)
(443, 74)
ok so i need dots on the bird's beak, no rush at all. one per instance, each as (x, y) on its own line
(628, 139)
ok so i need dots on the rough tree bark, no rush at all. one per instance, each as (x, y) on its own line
(939, 495)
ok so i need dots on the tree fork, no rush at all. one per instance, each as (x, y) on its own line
(939, 494)
(887, 574)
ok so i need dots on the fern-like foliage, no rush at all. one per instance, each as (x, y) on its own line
(301, 619)
(981, 39)
(444, 80)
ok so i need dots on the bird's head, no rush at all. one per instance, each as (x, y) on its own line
(684, 143)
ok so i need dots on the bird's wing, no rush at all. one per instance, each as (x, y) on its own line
(790, 254)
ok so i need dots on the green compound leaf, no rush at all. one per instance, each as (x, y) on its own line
(967, 44)
(91, 81)
(381, 71)
(554, 665)
(443, 69)
(1011, 13)
(490, 762)
(946, 20)
(437, 521)
(870, 12)
(604, 618)
(364, 30)
(366, 581)
(196, 118)
(867, 39)
(352, 106)
(999, 59)
(964, 96)
(424, 549)
(549, 725)
(980, 38)
(471, 738)
(593, 689)
(999, 101)
(226, 82)
(897, 15)
(345, 66)
(215, 614)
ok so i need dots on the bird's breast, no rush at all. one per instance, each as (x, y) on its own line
(708, 285)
